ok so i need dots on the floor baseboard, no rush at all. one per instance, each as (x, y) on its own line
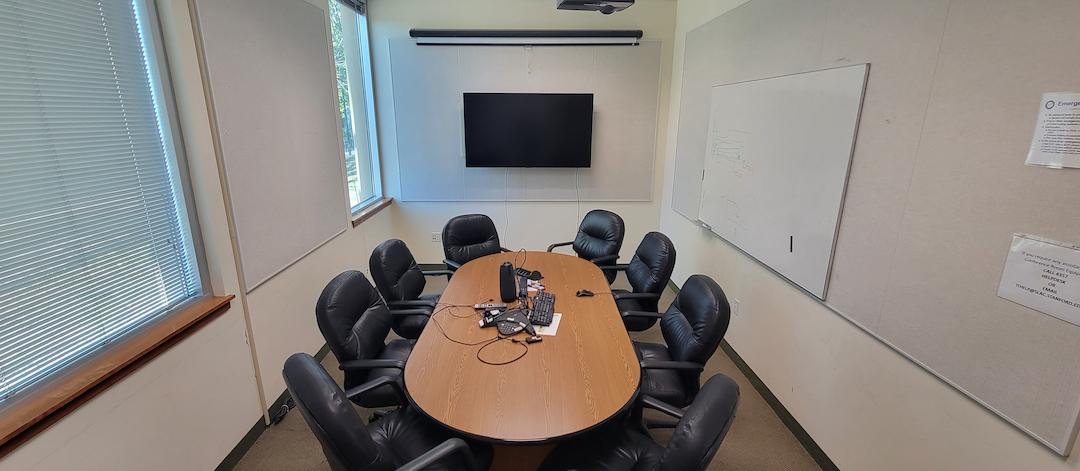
(260, 426)
(788, 420)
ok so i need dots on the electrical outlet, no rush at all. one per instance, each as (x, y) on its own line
(734, 307)
(436, 237)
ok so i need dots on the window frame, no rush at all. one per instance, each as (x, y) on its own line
(45, 401)
(362, 99)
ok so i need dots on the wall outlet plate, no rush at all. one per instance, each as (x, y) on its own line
(436, 236)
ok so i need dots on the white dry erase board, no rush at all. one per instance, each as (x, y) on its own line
(937, 184)
(776, 165)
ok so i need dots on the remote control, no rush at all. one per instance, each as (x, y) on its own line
(486, 306)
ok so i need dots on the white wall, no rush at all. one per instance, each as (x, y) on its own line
(865, 405)
(529, 225)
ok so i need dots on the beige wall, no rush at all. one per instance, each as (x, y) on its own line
(865, 405)
(529, 225)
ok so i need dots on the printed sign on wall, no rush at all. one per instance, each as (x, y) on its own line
(1043, 275)
(1056, 142)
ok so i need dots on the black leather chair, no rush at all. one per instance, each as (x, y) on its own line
(648, 273)
(355, 322)
(599, 239)
(468, 237)
(399, 440)
(700, 430)
(401, 283)
(693, 327)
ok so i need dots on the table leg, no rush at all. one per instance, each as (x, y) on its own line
(519, 457)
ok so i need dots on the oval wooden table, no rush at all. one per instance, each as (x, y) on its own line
(568, 383)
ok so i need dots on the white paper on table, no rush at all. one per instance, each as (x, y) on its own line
(1043, 275)
(549, 329)
(1056, 142)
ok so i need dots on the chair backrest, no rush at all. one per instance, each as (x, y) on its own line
(468, 237)
(331, 416)
(352, 318)
(695, 323)
(703, 426)
(650, 269)
(600, 233)
(395, 271)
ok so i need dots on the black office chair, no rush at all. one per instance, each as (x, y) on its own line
(700, 430)
(401, 283)
(355, 322)
(599, 239)
(468, 237)
(399, 440)
(648, 273)
(693, 327)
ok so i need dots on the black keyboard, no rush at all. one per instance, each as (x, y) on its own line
(532, 275)
(543, 308)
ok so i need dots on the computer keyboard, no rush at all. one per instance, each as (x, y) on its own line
(543, 308)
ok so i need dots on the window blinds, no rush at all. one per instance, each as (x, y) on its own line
(359, 5)
(93, 231)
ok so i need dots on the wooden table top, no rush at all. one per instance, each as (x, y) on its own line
(565, 384)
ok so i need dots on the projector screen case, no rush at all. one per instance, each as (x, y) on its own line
(528, 129)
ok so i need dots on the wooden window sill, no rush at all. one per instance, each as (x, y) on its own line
(43, 404)
(370, 210)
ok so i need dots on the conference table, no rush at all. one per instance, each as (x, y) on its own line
(567, 384)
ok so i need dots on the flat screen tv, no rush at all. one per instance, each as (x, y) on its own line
(528, 129)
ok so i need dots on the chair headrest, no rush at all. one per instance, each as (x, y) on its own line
(600, 233)
(395, 271)
(468, 237)
(696, 321)
(703, 426)
(329, 414)
(352, 317)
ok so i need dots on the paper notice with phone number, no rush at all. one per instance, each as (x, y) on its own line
(1056, 142)
(1044, 275)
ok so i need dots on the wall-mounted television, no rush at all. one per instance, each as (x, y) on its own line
(528, 129)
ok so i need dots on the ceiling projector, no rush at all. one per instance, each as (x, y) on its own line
(606, 7)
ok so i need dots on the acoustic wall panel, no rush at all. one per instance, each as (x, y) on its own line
(428, 85)
(937, 182)
(268, 63)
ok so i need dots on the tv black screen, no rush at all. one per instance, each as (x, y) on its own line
(528, 129)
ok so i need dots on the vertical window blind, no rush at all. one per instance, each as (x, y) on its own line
(94, 239)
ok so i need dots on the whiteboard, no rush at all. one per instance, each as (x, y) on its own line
(776, 167)
(271, 81)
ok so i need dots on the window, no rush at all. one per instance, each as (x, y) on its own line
(352, 62)
(94, 236)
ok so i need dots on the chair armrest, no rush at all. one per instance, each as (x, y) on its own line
(619, 296)
(658, 405)
(642, 314)
(559, 244)
(605, 259)
(411, 303)
(451, 265)
(437, 272)
(616, 267)
(420, 311)
(353, 365)
(377, 383)
(442, 450)
(504, 249)
(671, 365)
